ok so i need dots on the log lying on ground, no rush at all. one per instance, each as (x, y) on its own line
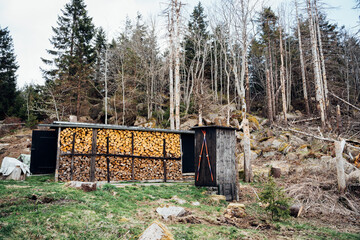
(119, 142)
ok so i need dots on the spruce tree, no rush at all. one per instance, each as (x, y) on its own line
(8, 67)
(73, 55)
(197, 30)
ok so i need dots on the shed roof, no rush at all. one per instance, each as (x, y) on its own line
(58, 124)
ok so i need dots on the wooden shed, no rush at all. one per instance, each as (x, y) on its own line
(99, 152)
(215, 163)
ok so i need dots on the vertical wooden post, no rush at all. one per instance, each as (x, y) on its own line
(107, 159)
(132, 158)
(248, 176)
(164, 161)
(72, 157)
(339, 147)
(93, 156)
(57, 156)
(338, 119)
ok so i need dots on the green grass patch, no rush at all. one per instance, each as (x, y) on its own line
(40, 208)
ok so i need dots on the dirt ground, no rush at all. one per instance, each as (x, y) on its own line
(12, 145)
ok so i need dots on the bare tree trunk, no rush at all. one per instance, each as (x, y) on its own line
(339, 147)
(322, 60)
(177, 64)
(248, 176)
(272, 82)
(247, 88)
(338, 119)
(318, 82)
(282, 77)
(302, 65)
(268, 96)
(123, 93)
(106, 88)
(171, 65)
(216, 72)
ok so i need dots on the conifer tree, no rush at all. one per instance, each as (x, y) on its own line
(73, 54)
(8, 67)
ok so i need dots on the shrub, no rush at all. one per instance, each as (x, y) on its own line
(275, 199)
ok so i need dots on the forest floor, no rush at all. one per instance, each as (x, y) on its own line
(40, 208)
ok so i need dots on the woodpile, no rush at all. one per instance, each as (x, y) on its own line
(128, 144)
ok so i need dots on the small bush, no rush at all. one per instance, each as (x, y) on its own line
(276, 200)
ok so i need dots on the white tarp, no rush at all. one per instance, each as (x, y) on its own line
(9, 164)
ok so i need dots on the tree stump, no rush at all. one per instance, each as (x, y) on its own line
(295, 210)
(275, 172)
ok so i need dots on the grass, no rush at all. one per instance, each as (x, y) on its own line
(39, 208)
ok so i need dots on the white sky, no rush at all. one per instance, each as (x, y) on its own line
(30, 23)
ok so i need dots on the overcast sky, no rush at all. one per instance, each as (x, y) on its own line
(30, 23)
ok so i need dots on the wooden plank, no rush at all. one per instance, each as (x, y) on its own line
(164, 160)
(107, 160)
(57, 156)
(93, 156)
(132, 158)
(121, 156)
(72, 157)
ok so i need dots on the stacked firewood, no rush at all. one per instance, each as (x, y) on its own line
(119, 142)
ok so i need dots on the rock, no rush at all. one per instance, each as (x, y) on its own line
(166, 212)
(156, 231)
(86, 119)
(195, 203)
(178, 200)
(72, 118)
(143, 122)
(235, 123)
(269, 154)
(140, 120)
(16, 175)
(283, 138)
(211, 117)
(220, 121)
(218, 198)
(272, 143)
(85, 186)
(296, 141)
(95, 111)
(291, 156)
(189, 124)
(207, 121)
(235, 210)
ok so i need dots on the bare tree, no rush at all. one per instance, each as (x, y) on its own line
(302, 64)
(282, 76)
(316, 64)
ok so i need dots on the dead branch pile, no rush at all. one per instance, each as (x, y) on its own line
(315, 187)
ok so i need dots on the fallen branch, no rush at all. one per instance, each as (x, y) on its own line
(351, 105)
(317, 137)
(305, 120)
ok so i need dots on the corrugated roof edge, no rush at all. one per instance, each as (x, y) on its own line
(58, 124)
(214, 126)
